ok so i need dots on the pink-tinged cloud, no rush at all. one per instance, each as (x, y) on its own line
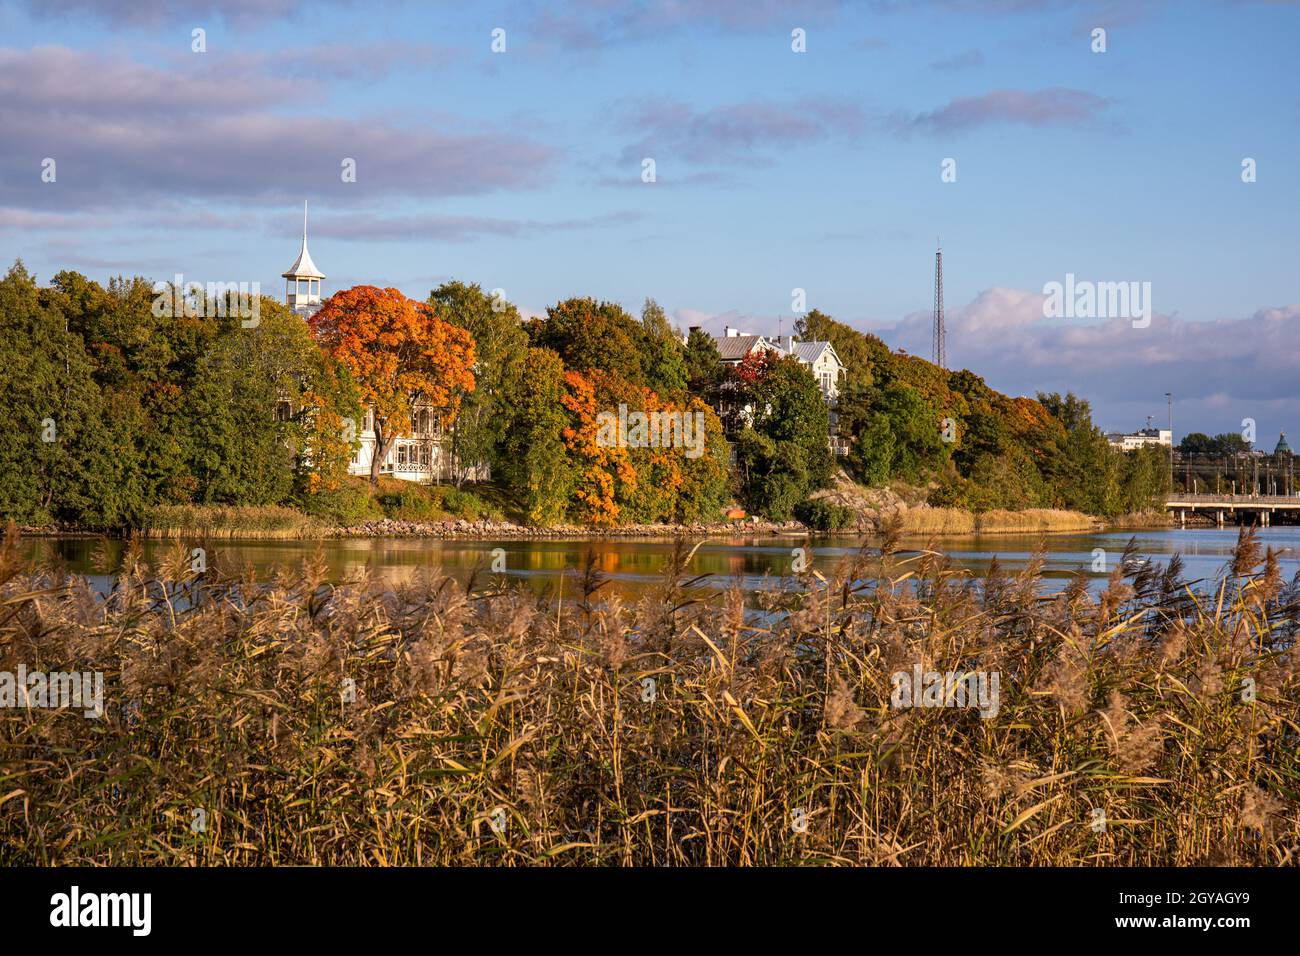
(1052, 107)
(447, 228)
(141, 13)
(121, 132)
(1219, 371)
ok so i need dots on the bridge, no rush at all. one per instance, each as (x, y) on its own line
(1258, 509)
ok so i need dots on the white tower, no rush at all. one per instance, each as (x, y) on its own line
(302, 280)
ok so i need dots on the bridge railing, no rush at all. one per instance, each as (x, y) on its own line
(1174, 501)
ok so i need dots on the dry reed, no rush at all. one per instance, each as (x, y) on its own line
(313, 723)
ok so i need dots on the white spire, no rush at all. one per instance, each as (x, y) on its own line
(303, 267)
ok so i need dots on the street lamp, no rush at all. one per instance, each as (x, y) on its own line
(1169, 396)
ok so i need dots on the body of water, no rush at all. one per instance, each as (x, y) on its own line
(634, 565)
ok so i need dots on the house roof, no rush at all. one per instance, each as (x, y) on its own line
(810, 352)
(733, 348)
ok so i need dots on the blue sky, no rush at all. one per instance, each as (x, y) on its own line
(775, 170)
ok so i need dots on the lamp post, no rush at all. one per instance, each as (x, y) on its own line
(1169, 396)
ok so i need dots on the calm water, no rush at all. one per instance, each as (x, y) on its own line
(633, 565)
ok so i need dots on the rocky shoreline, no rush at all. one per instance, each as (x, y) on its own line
(470, 530)
(461, 528)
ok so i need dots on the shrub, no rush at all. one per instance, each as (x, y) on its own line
(824, 515)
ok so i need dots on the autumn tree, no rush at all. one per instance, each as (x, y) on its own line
(587, 334)
(399, 353)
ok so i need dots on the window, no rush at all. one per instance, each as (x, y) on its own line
(401, 456)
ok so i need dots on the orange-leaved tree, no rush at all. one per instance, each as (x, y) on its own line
(399, 353)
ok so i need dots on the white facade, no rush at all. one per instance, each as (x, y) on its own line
(423, 456)
(820, 357)
(1145, 436)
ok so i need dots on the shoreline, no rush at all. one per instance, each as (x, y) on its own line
(483, 530)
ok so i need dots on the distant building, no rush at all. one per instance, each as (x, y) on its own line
(735, 345)
(1140, 438)
(302, 279)
(1283, 449)
(820, 357)
(823, 361)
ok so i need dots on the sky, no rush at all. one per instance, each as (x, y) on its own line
(997, 128)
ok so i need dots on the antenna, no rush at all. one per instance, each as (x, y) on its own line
(940, 345)
(304, 220)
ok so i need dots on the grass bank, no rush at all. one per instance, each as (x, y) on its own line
(1033, 520)
(317, 725)
(926, 520)
(1142, 519)
(357, 502)
(230, 521)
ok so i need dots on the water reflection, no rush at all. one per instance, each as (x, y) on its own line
(634, 565)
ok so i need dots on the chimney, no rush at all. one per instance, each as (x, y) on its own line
(692, 329)
(789, 344)
(732, 333)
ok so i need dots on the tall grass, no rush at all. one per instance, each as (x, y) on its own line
(1032, 521)
(927, 520)
(313, 723)
(229, 521)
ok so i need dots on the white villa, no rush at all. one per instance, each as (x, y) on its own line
(424, 455)
(820, 357)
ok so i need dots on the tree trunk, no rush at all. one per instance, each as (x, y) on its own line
(383, 442)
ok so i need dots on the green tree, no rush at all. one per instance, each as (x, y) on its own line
(703, 362)
(782, 455)
(665, 357)
(247, 410)
(64, 457)
(902, 438)
(535, 467)
(500, 345)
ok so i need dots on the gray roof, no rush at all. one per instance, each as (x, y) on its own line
(810, 352)
(733, 348)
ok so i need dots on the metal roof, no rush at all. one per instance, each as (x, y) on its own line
(303, 267)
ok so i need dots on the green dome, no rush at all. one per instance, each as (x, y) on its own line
(1282, 447)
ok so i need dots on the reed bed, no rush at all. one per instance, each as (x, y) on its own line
(291, 721)
(1032, 521)
(925, 520)
(229, 521)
